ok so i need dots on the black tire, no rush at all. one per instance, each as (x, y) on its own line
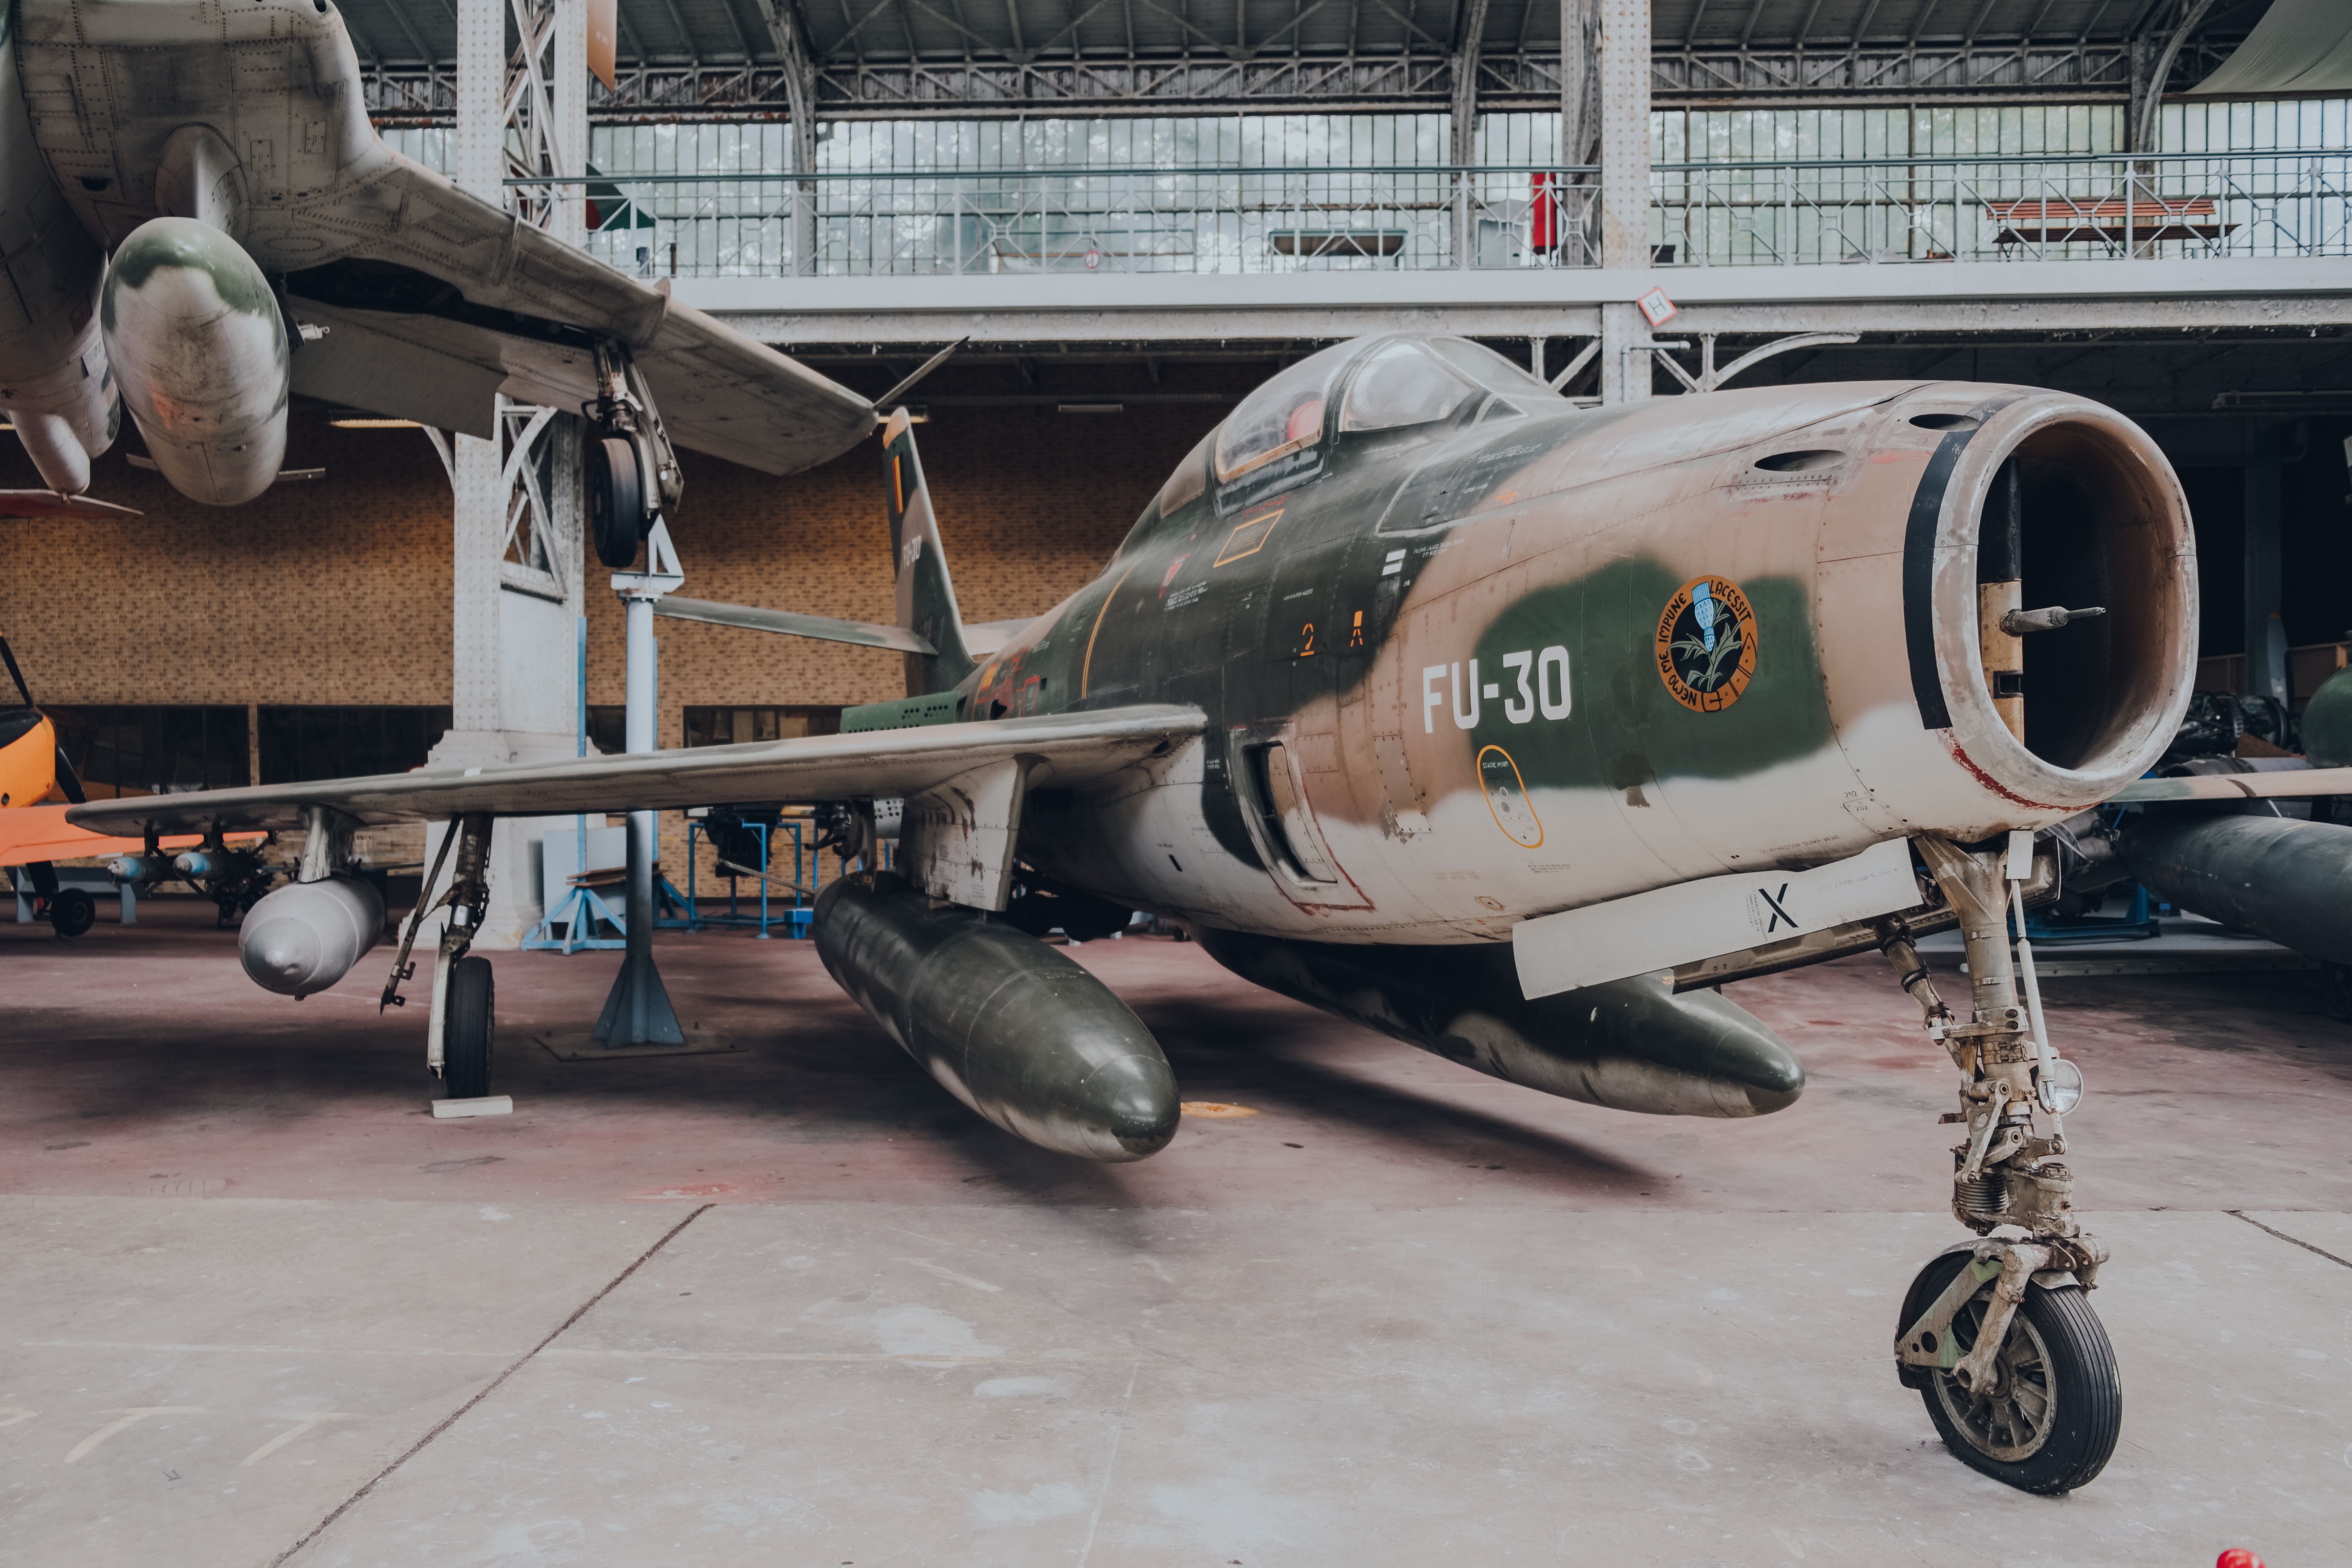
(72, 911)
(2055, 1345)
(616, 499)
(468, 1026)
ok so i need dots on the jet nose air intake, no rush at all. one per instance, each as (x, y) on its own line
(2042, 500)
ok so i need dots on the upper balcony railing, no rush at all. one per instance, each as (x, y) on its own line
(1428, 217)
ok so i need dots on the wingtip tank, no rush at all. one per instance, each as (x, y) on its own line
(1630, 1044)
(1011, 1027)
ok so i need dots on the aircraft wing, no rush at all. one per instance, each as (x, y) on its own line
(37, 832)
(2287, 784)
(1063, 749)
(437, 299)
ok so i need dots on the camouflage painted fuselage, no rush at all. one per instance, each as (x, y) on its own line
(1531, 657)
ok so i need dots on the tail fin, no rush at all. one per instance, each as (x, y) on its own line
(927, 605)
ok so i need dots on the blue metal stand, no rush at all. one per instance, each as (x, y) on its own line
(2137, 924)
(696, 919)
(582, 908)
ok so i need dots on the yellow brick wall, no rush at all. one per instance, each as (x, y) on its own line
(333, 591)
(337, 591)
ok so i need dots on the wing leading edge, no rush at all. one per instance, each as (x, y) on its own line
(1062, 748)
(515, 310)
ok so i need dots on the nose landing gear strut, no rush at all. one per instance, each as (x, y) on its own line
(1997, 1335)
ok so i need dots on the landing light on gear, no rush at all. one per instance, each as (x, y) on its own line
(1997, 1335)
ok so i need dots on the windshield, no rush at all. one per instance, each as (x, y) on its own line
(1401, 385)
(1283, 416)
(1190, 478)
(1489, 369)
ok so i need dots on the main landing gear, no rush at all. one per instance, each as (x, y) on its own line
(459, 1042)
(1998, 1334)
(630, 468)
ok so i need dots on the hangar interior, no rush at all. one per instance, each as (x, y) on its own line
(1123, 215)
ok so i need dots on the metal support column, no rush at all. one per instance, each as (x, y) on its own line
(800, 101)
(516, 534)
(1625, 373)
(638, 1012)
(1464, 125)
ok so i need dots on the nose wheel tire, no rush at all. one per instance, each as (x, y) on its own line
(616, 499)
(466, 1029)
(2050, 1421)
(72, 913)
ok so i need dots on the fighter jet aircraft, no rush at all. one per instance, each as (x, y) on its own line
(1508, 728)
(196, 219)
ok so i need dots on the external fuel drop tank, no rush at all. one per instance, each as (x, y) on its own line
(196, 336)
(307, 935)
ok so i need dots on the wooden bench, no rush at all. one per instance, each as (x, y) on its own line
(2065, 220)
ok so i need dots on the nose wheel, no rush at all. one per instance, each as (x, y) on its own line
(1997, 1335)
(2045, 1417)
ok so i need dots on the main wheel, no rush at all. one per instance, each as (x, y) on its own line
(467, 1028)
(616, 500)
(2050, 1422)
(72, 911)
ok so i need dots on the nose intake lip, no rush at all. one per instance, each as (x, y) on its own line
(2103, 522)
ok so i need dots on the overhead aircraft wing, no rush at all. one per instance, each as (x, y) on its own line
(438, 299)
(1063, 749)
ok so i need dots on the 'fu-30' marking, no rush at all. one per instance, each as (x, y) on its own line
(1539, 685)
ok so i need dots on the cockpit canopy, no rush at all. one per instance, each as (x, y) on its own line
(1390, 382)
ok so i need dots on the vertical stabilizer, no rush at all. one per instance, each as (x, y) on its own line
(925, 600)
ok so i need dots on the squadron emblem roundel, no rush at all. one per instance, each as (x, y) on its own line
(1707, 643)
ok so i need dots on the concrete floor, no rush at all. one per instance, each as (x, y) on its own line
(793, 1305)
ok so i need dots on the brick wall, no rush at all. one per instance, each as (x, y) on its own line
(337, 590)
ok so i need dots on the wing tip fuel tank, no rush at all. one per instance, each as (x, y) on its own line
(1014, 1029)
(1628, 1045)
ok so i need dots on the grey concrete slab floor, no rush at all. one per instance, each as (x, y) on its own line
(794, 1306)
(880, 1384)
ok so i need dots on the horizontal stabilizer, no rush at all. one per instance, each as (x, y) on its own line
(1690, 920)
(2287, 784)
(866, 633)
(1055, 750)
(48, 503)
